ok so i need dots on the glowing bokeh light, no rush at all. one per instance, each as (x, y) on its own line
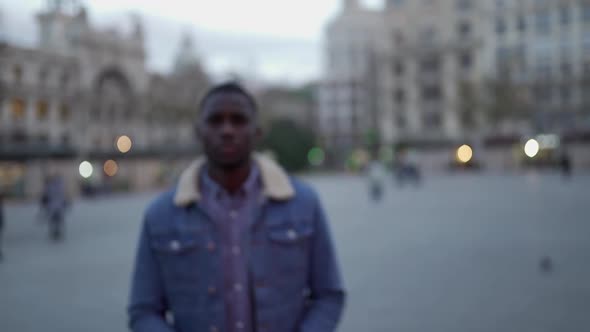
(111, 168)
(124, 144)
(465, 154)
(316, 156)
(531, 148)
(86, 169)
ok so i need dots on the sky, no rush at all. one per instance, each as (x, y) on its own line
(267, 40)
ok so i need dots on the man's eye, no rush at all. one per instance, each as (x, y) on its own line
(214, 120)
(239, 120)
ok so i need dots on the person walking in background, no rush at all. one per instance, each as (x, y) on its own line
(238, 245)
(54, 202)
(1, 223)
(376, 174)
(565, 164)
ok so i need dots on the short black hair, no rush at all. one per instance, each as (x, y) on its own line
(229, 87)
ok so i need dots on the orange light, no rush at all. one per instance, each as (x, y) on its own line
(124, 144)
(465, 154)
(111, 168)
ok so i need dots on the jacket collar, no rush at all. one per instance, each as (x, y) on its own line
(276, 183)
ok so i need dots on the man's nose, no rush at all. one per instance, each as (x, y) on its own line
(227, 128)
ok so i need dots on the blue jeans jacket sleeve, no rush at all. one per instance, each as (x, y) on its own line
(327, 291)
(147, 307)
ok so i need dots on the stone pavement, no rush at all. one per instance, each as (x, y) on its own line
(461, 253)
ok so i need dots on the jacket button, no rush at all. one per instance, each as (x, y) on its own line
(260, 283)
(213, 329)
(211, 246)
(175, 245)
(212, 290)
(291, 234)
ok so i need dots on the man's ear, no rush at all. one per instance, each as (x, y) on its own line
(197, 131)
(258, 134)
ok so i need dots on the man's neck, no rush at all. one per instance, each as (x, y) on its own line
(230, 179)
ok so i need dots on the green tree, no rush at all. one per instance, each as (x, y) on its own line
(290, 143)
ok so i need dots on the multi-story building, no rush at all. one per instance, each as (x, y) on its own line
(445, 71)
(347, 109)
(429, 50)
(82, 88)
(398, 72)
(544, 47)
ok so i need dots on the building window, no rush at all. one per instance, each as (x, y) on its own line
(521, 23)
(428, 35)
(43, 75)
(65, 140)
(464, 5)
(65, 79)
(464, 29)
(431, 64)
(586, 12)
(18, 109)
(398, 68)
(565, 93)
(500, 26)
(432, 120)
(42, 110)
(395, 3)
(64, 112)
(543, 71)
(543, 93)
(543, 22)
(400, 119)
(17, 72)
(399, 96)
(566, 69)
(564, 15)
(398, 37)
(431, 93)
(465, 60)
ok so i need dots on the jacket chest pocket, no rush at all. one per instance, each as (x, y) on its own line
(289, 244)
(179, 256)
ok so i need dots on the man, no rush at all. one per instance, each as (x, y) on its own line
(237, 245)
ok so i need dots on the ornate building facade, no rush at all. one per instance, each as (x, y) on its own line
(70, 98)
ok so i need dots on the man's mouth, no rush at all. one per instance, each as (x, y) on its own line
(229, 148)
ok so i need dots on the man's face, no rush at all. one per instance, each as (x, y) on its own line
(228, 130)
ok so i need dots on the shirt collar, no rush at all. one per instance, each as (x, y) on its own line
(211, 187)
(276, 185)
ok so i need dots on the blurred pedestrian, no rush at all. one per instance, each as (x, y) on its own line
(238, 245)
(1, 223)
(54, 203)
(408, 169)
(376, 174)
(565, 164)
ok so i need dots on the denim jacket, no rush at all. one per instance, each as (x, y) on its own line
(296, 283)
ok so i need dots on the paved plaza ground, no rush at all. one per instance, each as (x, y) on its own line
(459, 254)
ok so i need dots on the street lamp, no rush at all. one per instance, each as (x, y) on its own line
(124, 144)
(86, 169)
(464, 154)
(531, 148)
